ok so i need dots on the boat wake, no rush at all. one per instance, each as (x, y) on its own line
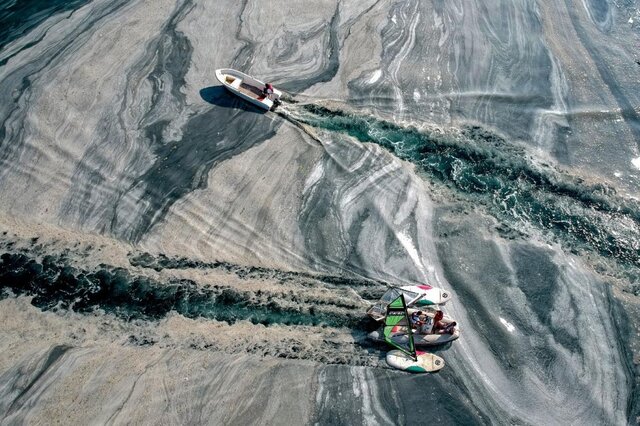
(484, 169)
(271, 313)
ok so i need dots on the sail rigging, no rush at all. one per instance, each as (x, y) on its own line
(397, 316)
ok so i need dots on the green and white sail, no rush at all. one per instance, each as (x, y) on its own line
(397, 316)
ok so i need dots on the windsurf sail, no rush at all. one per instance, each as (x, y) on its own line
(379, 310)
(414, 296)
(397, 316)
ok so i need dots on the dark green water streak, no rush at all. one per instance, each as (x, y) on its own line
(489, 171)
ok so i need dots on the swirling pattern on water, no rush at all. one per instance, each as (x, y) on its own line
(181, 254)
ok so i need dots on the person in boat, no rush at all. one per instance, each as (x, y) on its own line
(416, 321)
(426, 324)
(268, 91)
(440, 327)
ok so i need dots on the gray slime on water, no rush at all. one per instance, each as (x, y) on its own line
(170, 253)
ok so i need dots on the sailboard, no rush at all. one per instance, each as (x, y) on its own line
(416, 296)
(405, 357)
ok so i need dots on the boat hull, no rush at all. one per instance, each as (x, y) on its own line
(246, 87)
(419, 340)
(259, 104)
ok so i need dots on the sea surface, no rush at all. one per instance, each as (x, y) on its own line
(169, 253)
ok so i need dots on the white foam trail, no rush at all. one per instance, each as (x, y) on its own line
(314, 177)
(408, 245)
(375, 76)
(510, 327)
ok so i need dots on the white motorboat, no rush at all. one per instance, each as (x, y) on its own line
(248, 88)
(415, 296)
